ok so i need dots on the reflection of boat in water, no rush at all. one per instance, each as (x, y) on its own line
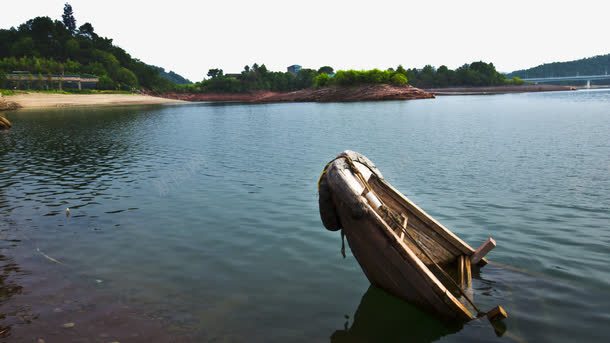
(382, 318)
(400, 248)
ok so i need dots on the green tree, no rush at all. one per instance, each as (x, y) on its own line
(214, 73)
(399, 79)
(126, 79)
(305, 78)
(401, 70)
(72, 67)
(442, 77)
(517, 81)
(321, 80)
(23, 47)
(105, 82)
(86, 30)
(68, 18)
(72, 48)
(326, 70)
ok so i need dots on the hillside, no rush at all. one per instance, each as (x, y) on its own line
(43, 46)
(596, 65)
(173, 77)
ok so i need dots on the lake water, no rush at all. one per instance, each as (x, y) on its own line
(200, 222)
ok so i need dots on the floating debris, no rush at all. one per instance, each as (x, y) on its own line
(48, 257)
(69, 325)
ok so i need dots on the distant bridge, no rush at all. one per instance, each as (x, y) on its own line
(587, 78)
(60, 79)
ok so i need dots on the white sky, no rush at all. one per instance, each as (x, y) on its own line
(190, 36)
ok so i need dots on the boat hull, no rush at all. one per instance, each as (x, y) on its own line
(385, 258)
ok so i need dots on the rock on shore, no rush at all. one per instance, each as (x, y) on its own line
(6, 105)
(327, 94)
(344, 94)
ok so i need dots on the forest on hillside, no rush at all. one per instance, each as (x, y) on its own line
(597, 65)
(42, 46)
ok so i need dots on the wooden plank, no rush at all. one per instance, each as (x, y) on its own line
(438, 227)
(481, 251)
(467, 266)
(405, 222)
(497, 313)
(398, 202)
(461, 271)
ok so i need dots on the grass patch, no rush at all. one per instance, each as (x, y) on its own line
(7, 92)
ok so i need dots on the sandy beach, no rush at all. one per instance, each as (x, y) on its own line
(43, 100)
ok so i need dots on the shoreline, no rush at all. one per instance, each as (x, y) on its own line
(377, 92)
(35, 100)
(498, 89)
(39, 100)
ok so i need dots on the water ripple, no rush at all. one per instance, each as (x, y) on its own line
(207, 215)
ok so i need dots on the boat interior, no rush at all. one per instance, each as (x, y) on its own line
(435, 246)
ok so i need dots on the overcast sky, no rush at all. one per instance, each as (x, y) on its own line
(189, 36)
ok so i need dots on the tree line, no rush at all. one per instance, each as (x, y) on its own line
(43, 47)
(258, 77)
(254, 78)
(476, 74)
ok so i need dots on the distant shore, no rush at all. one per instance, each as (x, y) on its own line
(379, 92)
(376, 92)
(45, 100)
(498, 89)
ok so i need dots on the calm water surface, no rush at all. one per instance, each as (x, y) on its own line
(200, 222)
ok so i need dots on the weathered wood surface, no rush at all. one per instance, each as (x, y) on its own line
(441, 249)
(467, 264)
(428, 222)
(461, 271)
(483, 250)
(497, 313)
(387, 260)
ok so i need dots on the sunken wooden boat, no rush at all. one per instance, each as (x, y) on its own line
(400, 248)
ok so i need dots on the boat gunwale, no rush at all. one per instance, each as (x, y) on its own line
(434, 224)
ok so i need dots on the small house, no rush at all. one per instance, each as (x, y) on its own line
(294, 69)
